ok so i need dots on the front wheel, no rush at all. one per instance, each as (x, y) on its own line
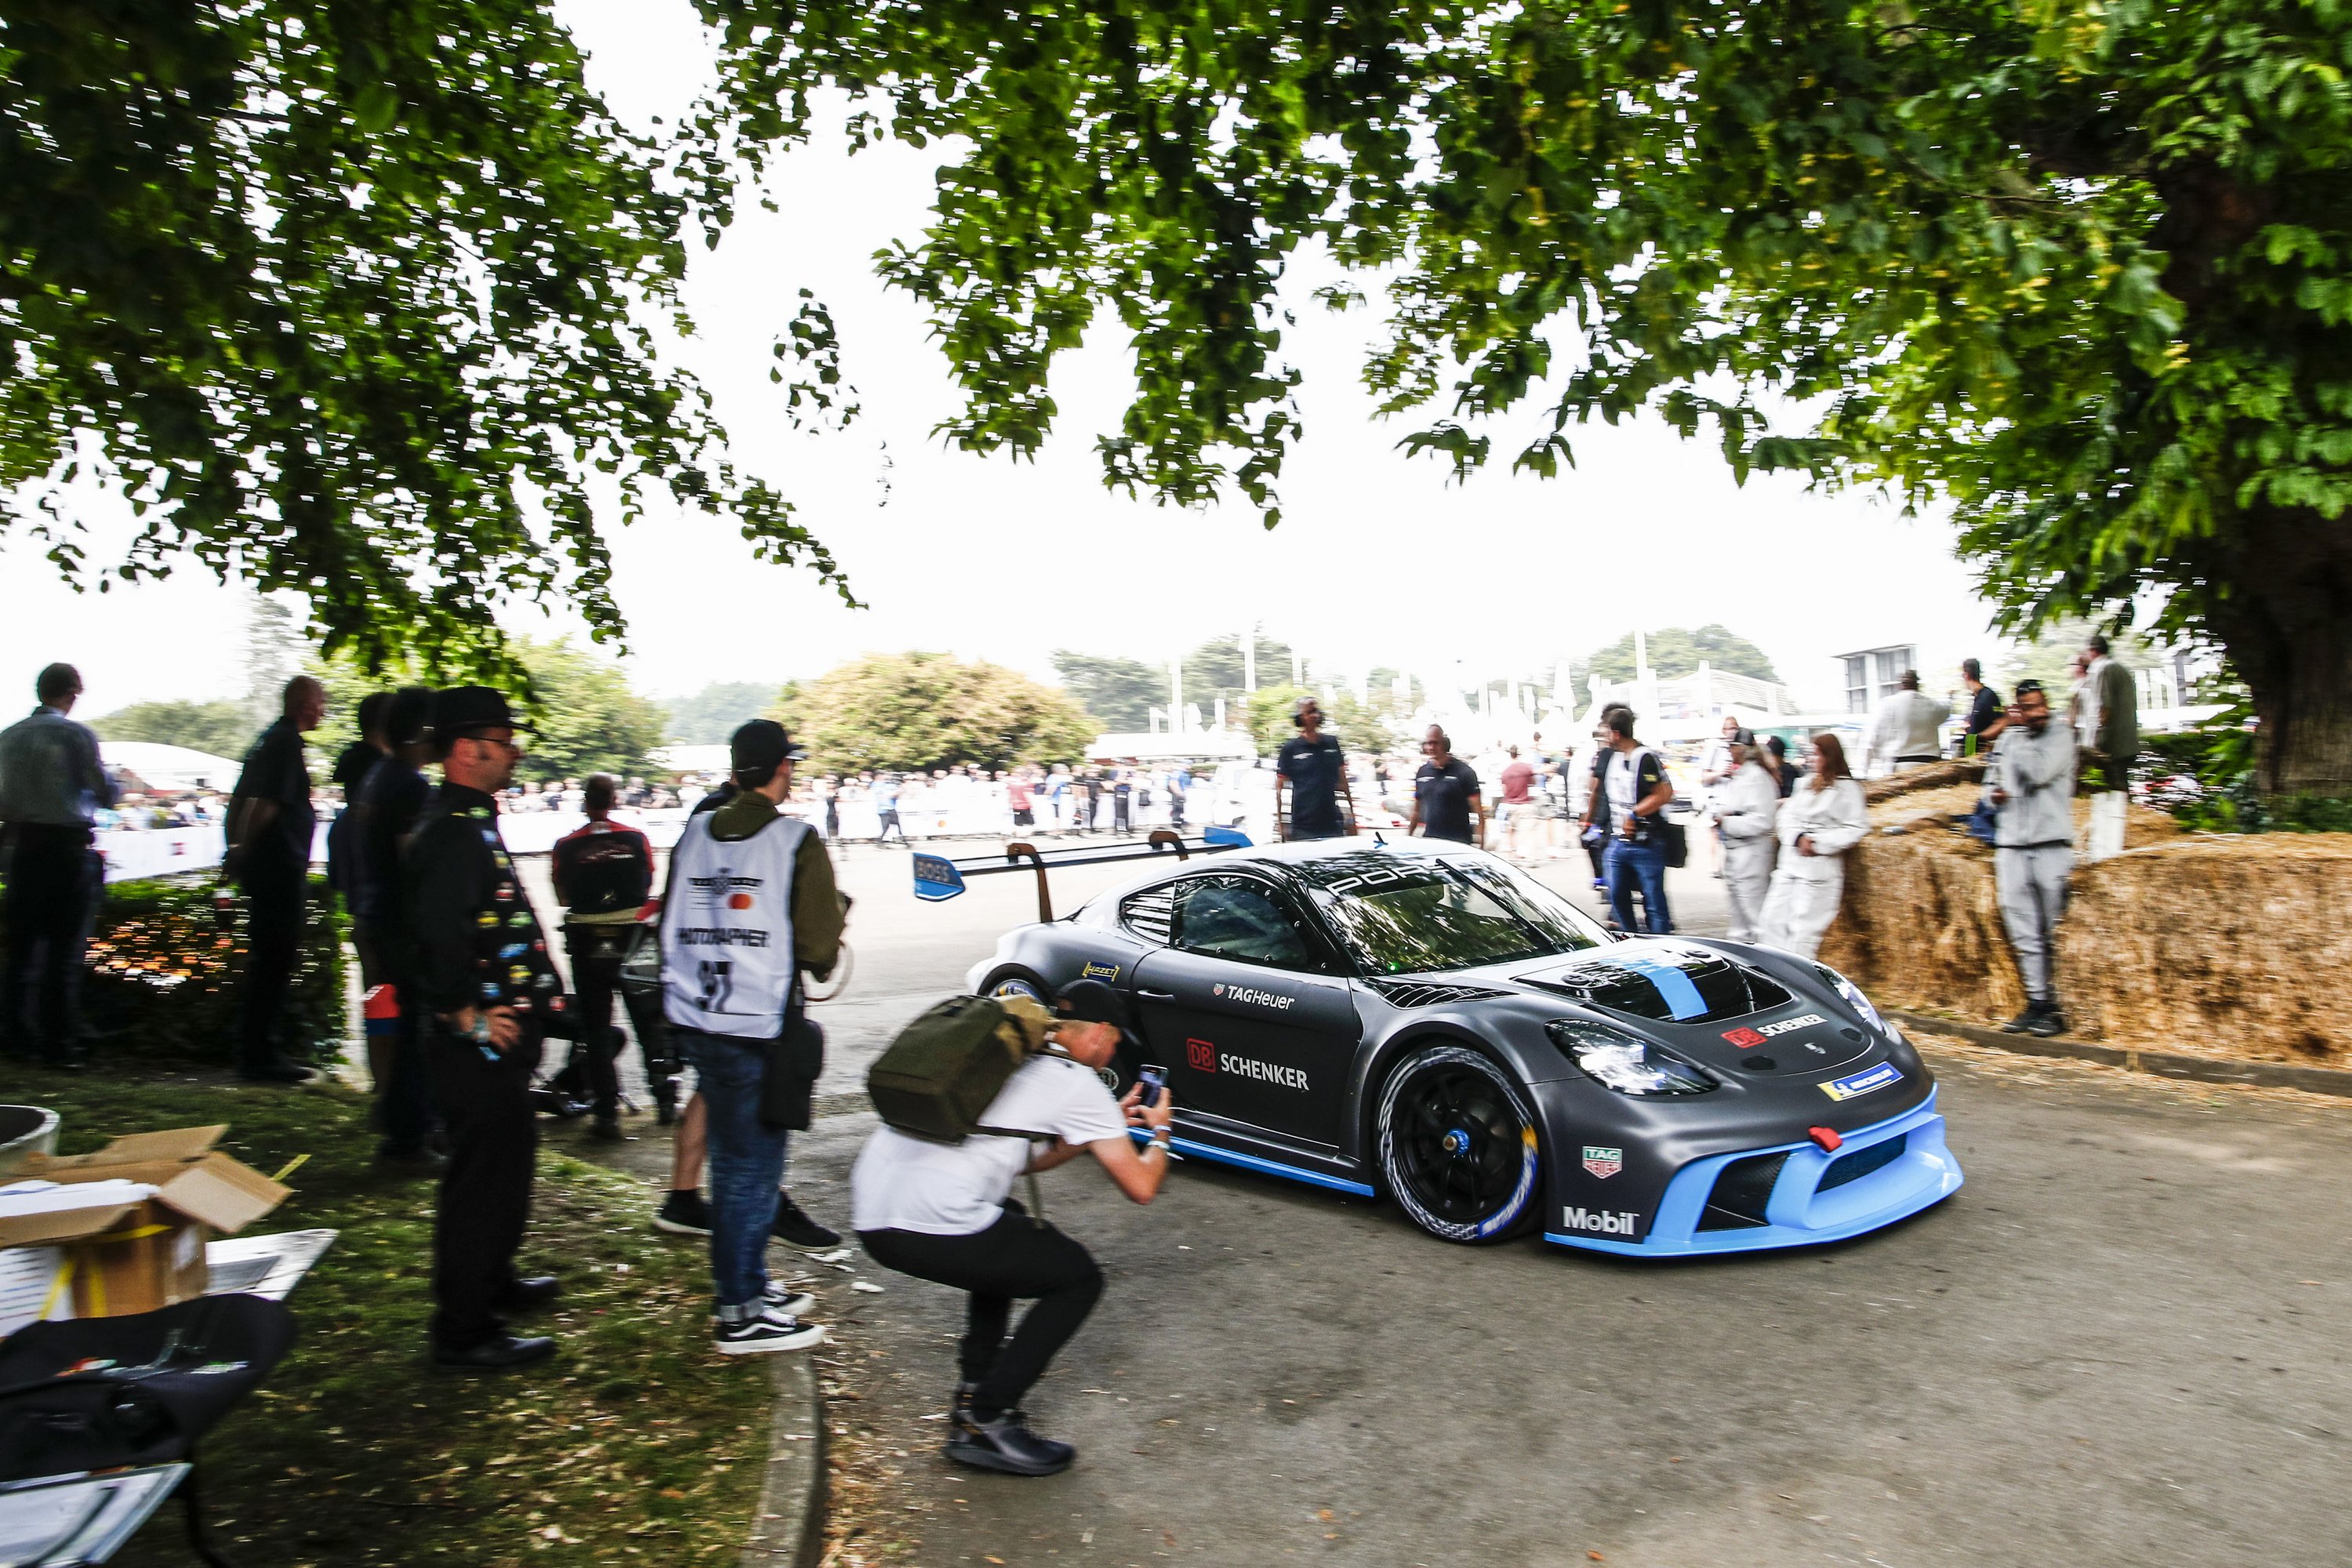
(1458, 1145)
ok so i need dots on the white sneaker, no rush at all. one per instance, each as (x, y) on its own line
(786, 1302)
(771, 1331)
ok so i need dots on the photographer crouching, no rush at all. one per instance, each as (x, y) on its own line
(945, 1213)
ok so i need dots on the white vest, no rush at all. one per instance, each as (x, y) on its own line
(726, 929)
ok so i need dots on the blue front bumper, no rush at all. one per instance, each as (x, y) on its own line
(1798, 1213)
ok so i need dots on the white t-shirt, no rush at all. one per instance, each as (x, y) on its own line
(904, 1182)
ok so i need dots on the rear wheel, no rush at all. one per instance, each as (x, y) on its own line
(1018, 983)
(1458, 1145)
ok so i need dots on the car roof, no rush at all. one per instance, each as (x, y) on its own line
(1281, 856)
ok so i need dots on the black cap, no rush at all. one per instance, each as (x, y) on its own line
(461, 710)
(1092, 1001)
(762, 745)
(408, 717)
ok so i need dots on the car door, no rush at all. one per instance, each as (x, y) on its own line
(1245, 1008)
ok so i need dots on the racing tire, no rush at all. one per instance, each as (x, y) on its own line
(1458, 1148)
(1019, 983)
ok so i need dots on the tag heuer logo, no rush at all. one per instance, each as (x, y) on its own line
(1603, 1163)
(1218, 989)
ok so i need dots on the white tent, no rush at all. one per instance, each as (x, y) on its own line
(159, 766)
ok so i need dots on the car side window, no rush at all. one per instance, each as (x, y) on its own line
(1240, 919)
(1150, 914)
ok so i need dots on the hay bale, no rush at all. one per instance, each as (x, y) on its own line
(2223, 944)
(1936, 775)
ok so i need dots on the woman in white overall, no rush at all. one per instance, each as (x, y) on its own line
(1748, 810)
(1823, 818)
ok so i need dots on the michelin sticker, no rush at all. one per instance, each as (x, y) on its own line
(1862, 1083)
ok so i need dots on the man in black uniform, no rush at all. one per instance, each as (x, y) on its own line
(390, 800)
(488, 993)
(1310, 762)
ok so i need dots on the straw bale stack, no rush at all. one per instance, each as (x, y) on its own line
(2225, 944)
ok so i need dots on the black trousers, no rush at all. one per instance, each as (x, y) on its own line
(493, 1135)
(274, 890)
(403, 1087)
(52, 888)
(595, 981)
(1013, 1257)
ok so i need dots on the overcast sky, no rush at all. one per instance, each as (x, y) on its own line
(1379, 558)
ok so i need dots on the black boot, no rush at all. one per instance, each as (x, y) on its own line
(2024, 1021)
(1004, 1444)
(2048, 1021)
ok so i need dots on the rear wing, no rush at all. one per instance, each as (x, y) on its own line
(939, 878)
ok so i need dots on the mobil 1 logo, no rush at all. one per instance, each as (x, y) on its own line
(1600, 1222)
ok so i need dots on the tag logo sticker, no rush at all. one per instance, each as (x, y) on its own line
(1093, 971)
(1218, 989)
(1603, 1163)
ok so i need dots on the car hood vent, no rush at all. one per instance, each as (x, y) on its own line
(1667, 982)
(1430, 994)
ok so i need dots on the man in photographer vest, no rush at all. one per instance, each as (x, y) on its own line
(751, 903)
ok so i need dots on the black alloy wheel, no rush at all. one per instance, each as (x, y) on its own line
(1458, 1146)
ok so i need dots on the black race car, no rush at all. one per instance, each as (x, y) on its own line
(1423, 1019)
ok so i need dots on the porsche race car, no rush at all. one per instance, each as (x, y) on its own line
(1423, 1020)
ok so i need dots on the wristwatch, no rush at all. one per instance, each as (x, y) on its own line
(1159, 1140)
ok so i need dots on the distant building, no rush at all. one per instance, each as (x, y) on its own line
(1874, 674)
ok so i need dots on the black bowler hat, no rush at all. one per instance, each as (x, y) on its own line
(463, 710)
(1092, 1001)
(761, 745)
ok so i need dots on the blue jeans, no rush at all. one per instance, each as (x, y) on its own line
(747, 1165)
(1627, 865)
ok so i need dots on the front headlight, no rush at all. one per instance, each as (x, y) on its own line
(1617, 1061)
(1854, 998)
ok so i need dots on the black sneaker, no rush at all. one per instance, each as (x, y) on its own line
(1006, 1445)
(2023, 1023)
(2048, 1024)
(767, 1333)
(683, 1213)
(785, 1300)
(794, 1228)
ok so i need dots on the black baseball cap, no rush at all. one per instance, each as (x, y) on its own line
(761, 745)
(462, 711)
(1092, 1001)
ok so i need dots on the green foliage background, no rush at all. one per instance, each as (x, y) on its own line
(220, 729)
(1676, 650)
(909, 710)
(712, 715)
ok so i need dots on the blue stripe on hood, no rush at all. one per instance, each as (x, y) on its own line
(1680, 995)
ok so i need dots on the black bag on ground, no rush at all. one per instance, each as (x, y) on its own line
(170, 1376)
(937, 1077)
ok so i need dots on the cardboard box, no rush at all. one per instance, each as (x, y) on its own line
(143, 1245)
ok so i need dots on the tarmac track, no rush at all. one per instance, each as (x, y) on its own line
(2122, 1342)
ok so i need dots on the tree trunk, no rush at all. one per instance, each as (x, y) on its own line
(2287, 625)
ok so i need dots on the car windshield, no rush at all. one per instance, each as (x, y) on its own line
(1404, 916)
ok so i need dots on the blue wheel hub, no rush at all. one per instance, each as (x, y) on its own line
(1455, 1143)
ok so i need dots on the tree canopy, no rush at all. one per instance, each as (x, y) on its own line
(1676, 650)
(1119, 692)
(712, 715)
(358, 300)
(2083, 273)
(220, 729)
(908, 710)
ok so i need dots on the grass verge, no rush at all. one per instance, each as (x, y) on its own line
(636, 1443)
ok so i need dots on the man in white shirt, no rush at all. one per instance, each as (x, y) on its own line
(1907, 732)
(944, 1212)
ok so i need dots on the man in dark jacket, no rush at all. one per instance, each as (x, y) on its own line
(603, 875)
(390, 800)
(489, 992)
(270, 823)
